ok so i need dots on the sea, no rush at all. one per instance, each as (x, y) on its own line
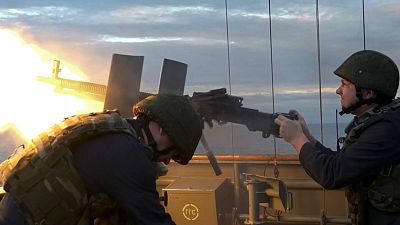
(222, 139)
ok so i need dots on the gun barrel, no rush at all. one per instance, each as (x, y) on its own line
(96, 91)
(81, 86)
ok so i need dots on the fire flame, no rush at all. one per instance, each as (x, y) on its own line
(25, 103)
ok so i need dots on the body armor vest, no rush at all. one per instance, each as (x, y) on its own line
(42, 179)
(383, 191)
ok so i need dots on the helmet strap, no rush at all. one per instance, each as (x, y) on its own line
(361, 101)
(143, 122)
(165, 151)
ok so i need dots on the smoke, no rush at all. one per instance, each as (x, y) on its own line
(10, 138)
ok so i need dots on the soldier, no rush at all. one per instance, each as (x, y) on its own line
(368, 163)
(99, 166)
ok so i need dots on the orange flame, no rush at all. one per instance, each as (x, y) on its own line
(25, 103)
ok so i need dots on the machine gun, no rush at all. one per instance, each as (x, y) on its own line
(218, 106)
(123, 91)
(211, 105)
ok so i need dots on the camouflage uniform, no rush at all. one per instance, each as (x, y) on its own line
(94, 168)
(113, 163)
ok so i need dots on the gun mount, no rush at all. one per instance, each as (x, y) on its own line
(268, 193)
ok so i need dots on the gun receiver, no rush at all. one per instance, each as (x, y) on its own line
(218, 106)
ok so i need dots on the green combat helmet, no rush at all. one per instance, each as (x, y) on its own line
(177, 117)
(371, 70)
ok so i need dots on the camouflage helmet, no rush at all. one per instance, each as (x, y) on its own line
(371, 70)
(178, 119)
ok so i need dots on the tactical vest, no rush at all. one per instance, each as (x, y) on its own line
(42, 179)
(383, 191)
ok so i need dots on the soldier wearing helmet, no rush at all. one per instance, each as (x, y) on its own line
(368, 70)
(100, 168)
(184, 129)
(368, 164)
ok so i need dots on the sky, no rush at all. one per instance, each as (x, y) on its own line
(87, 33)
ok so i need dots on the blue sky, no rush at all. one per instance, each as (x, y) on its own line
(87, 33)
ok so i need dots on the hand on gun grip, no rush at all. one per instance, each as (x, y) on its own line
(289, 115)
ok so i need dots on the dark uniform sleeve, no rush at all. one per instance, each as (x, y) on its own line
(118, 165)
(377, 147)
